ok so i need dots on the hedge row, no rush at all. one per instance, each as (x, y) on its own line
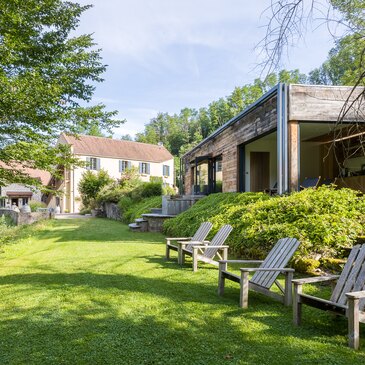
(325, 220)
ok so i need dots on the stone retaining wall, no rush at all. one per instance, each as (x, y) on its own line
(24, 218)
(112, 211)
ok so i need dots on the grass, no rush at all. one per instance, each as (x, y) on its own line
(90, 292)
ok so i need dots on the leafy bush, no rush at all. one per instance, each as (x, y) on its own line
(90, 185)
(84, 211)
(135, 210)
(7, 231)
(111, 193)
(219, 209)
(325, 220)
(146, 190)
(34, 205)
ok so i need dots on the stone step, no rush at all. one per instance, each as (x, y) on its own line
(134, 227)
(156, 210)
(140, 220)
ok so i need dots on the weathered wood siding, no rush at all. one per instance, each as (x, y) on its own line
(321, 103)
(258, 122)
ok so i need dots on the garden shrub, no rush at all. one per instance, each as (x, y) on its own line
(135, 210)
(111, 193)
(325, 220)
(219, 209)
(91, 184)
(34, 205)
(7, 229)
(146, 190)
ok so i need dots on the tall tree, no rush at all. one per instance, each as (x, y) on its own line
(47, 76)
(288, 22)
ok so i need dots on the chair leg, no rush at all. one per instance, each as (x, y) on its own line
(221, 278)
(180, 255)
(244, 289)
(297, 305)
(353, 323)
(195, 259)
(167, 250)
(288, 294)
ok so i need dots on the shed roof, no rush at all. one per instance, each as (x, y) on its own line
(43, 176)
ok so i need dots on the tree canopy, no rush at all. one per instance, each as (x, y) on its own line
(180, 132)
(47, 79)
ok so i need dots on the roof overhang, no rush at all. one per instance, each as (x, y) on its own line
(19, 194)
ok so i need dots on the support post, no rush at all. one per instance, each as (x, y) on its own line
(297, 305)
(353, 322)
(244, 289)
(221, 278)
(294, 155)
(288, 294)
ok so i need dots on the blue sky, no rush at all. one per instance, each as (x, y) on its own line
(164, 55)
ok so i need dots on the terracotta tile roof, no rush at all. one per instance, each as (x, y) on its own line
(113, 148)
(43, 176)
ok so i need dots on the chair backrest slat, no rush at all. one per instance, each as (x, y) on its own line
(217, 241)
(279, 256)
(310, 182)
(201, 234)
(352, 277)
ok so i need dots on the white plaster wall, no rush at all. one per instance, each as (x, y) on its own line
(310, 160)
(261, 145)
(111, 165)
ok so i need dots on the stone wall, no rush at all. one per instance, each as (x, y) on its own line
(24, 218)
(112, 211)
(258, 122)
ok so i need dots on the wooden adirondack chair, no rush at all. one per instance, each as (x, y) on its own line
(206, 252)
(265, 275)
(310, 182)
(348, 296)
(198, 238)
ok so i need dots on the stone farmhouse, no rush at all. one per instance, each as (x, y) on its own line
(113, 156)
(289, 134)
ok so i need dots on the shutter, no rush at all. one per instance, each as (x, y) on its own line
(148, 168)
(167, 170)
(129, 164)
(140, 167)
(98, 164)
(120, 166)
(88, 163)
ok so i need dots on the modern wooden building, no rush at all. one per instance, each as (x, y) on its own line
(291, 132)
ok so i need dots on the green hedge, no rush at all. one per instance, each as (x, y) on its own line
(134, 210)
(324, 220)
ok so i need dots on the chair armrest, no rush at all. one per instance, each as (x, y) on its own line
(177, 238)
(241, 261)
(315, 279)
(209, 246)
(253, 269)
(356, 295)
(189, 242)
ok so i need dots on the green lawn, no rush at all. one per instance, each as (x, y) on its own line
(90, 292)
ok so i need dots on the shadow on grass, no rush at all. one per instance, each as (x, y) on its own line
(94, 230)
(99, 333)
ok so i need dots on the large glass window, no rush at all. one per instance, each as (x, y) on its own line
(218, 178)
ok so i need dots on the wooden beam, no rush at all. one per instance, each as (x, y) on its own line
(294, 157)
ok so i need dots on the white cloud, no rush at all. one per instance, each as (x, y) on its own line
(136, 119)
(139, 27)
